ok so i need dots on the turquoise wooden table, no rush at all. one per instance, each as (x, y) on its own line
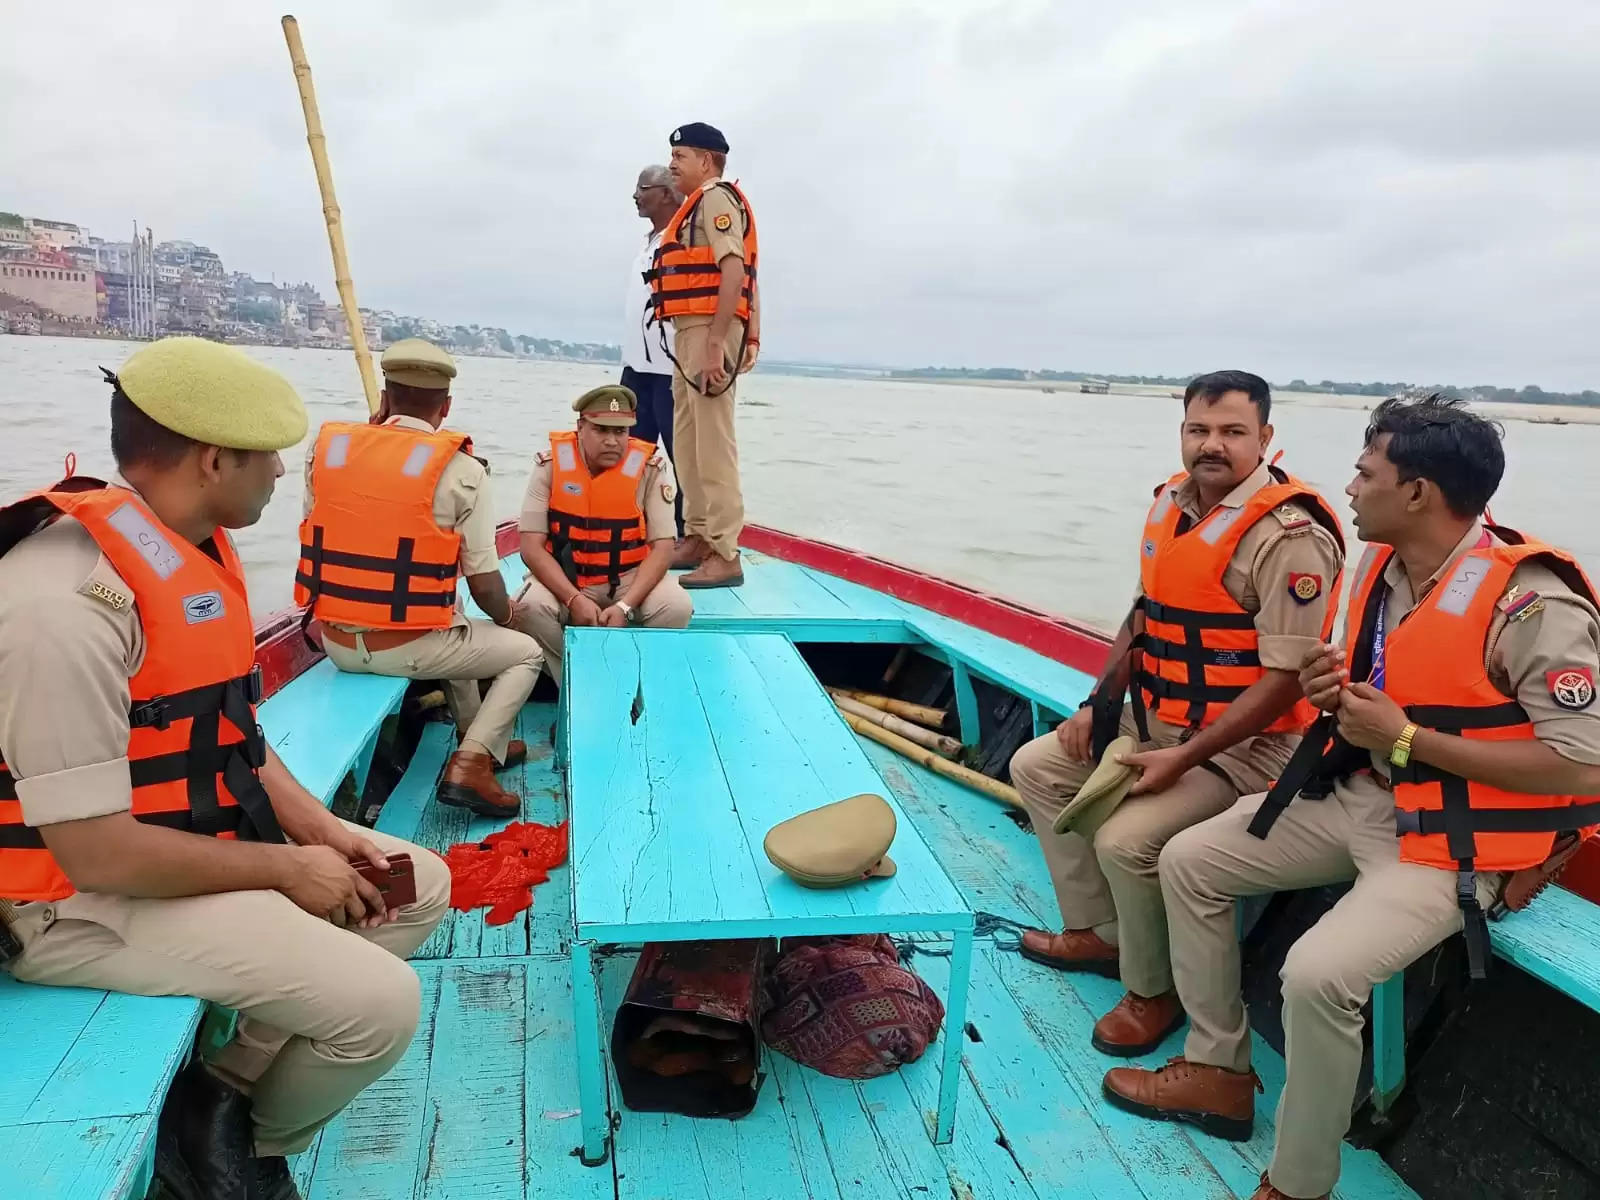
(684, 749)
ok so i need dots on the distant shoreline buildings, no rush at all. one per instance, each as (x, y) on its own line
(57, 278)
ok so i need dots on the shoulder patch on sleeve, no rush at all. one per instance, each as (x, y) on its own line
(1304, 588)
(1571, 687)
(723, 222)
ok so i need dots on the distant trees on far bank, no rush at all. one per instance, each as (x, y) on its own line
(1482, 393)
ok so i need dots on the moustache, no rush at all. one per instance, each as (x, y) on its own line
(1216, 462)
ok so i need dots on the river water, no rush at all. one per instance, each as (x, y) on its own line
(1030, 494)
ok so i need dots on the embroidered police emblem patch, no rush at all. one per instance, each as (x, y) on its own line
(1571, 687)
(723, 222)
(1305, 588)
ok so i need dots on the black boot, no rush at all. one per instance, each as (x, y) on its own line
(272, 1180)
(206, 1128)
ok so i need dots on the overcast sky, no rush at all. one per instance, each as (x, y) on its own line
(1394, 189)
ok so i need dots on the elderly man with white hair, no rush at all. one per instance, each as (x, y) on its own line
(646, 369)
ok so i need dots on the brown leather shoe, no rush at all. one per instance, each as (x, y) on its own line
(516, 754)
(1137, 1025)
(1071, 950)
(1219, 1101)
(688, 552)
(1267, 1192)
(1521, 887)
(715, 571)
(469, 782)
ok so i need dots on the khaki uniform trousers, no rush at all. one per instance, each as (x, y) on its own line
(1112, 886)
(705, 453)
(461, 656)
(1395, 913)
(544, 618)
(324, 1011)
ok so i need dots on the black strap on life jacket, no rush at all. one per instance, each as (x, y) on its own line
(252, 819)
(402, 566)
(1192, 654)
(564, 545)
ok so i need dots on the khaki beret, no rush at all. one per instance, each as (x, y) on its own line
(1100, 794)
(836, 844)
(215, 394)
(419, 364)
(612, 404)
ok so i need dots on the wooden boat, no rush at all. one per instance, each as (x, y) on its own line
(486, 1101)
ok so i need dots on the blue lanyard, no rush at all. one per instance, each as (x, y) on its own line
(1379, 638)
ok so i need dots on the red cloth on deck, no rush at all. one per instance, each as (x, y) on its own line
(500, 872)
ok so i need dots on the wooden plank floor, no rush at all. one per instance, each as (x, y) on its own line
(484, 1103)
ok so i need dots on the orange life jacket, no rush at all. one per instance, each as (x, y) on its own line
(194, 748)
(1198, 649)
(371, 554)
(684, 278)
(1432, 666)
(597, 528)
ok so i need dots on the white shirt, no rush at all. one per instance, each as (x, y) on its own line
(641, 343)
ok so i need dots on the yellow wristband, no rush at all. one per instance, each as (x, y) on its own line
(1400, 752)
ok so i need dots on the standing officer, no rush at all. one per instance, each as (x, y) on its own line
(646, 366)
(1239, 565)
(1463, 744)
(704, 282)
(395, 512)
(597, 530)
(150, 841)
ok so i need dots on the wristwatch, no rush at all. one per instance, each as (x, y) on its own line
(629, 612)
(1400, 752)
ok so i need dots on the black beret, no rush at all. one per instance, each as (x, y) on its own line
(697, 135)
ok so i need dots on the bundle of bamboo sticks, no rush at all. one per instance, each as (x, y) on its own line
(912, 730)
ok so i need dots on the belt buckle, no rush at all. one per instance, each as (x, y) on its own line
(152, 714)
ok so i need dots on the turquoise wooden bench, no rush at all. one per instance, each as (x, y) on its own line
(83, 1073)
(686, 748)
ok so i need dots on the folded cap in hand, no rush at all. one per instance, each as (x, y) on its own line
(1100, 794)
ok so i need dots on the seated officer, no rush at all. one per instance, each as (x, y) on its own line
(150, 841)
(396, 511)
(598, 530)
(1468, 674)
(1240, 559)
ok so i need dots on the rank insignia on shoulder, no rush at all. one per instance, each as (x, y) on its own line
(1291, 517)
(723, 222)
(1571, 687)
(107, 595)
(1304, 588)
(542, 458)
(1521, 607)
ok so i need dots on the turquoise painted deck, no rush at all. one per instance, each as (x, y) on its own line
(485, 1103)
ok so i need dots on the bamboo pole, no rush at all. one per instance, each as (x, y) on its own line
(933, 718)
(940, 766)
(330, 211)
(938, 742)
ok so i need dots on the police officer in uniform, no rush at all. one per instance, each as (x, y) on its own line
(1244, 561)
(411, 500)
(1468, 674)
(704, 282)
(129, 740)
(597, 529)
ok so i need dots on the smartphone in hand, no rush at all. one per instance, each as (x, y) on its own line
(397, 885)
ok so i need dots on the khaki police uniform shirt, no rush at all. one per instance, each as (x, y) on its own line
(70, 639)
(461, 501)
(655, 496)
(1287, 541)
(1524, 654)
(718, 202)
